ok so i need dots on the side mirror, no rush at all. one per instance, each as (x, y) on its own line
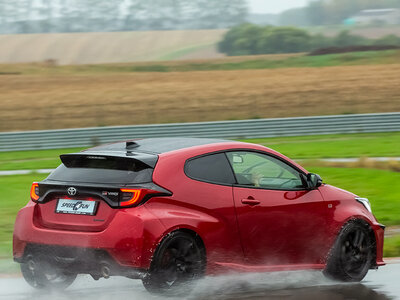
(237, 159)
(313, 181)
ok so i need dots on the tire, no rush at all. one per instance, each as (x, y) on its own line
(41, 275)
(352, 254)
(177, 263)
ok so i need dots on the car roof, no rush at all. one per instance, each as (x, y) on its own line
(148, 150)
(155, 145)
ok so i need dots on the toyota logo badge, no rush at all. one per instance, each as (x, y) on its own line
(71, 191)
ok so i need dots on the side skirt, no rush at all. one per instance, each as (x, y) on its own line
(268, 268)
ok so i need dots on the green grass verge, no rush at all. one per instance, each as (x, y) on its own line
(392, 247)
(335, 146)
(33, 159)
(245, 63)
(347, 59)
(379, 186)
(315, 147)
(14, 194)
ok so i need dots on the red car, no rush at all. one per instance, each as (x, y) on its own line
(170, 210)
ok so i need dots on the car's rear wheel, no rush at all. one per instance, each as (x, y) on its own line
(177, 263)
(41, 275)
(352, 254)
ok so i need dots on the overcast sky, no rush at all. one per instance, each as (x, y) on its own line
(274, 6)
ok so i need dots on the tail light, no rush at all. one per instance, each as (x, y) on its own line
(132, 197)
(35, 192)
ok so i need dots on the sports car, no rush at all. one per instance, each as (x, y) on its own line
(171, 210)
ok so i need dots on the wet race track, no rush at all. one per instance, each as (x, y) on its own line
(381, 284)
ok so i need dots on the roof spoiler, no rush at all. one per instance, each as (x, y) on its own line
(76, 160)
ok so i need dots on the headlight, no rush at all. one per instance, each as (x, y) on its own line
(365, 202)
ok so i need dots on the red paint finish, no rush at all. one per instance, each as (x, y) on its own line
(280, 224)
(45, 217)
(129, 238)
(242, 229)
(343, 209)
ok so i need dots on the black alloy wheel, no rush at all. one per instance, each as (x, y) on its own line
(41, 275)
(177, 263)
(352, 256)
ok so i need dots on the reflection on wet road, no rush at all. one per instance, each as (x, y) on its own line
(382, 284)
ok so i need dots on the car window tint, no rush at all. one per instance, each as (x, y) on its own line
(213, 168)
(264, 171)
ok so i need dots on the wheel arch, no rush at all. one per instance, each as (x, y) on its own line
(196, 236)
(364, 222)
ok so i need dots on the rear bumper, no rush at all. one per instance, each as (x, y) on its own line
(95, 262)
(129, 239)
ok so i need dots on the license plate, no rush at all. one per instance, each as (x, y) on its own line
(76, 207)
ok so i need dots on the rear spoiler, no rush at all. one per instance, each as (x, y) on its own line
(76, 160)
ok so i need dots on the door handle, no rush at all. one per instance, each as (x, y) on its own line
(251, 201)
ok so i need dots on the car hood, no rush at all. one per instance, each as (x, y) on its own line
(331, 193)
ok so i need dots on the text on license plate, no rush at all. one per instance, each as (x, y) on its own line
(76, 207)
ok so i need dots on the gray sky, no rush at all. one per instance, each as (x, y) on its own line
(274, 6)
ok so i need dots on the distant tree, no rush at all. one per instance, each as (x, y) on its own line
(388, 40)
(67, 16)
(294, 17)
(345, 38)
(102, 15)
(135, 15)
(17, 16)
(321, 41)
(242, 40)
(248, 39)
(286, 40)
(316, 13)
(321, 12)
(229, 13)
(8, 13)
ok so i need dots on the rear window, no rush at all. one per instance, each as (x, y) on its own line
(103, 170)
(213, 168)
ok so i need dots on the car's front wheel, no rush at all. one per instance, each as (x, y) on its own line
(177, 263)
(41, 275)
(351, 257)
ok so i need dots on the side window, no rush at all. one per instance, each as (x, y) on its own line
(264, 171)
(212, 168)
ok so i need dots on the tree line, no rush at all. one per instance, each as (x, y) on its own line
(248, 39)
(329, 12)
(41, 16)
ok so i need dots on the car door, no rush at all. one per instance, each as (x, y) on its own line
(280, 221)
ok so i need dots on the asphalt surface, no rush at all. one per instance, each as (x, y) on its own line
(381, 284)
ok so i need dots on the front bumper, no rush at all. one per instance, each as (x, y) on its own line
(379, 231)
(129, 239)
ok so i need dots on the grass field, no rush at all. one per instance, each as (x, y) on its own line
(271, 61)
(14, 195)
(377, 185)
(113, 95)
(306, 147)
